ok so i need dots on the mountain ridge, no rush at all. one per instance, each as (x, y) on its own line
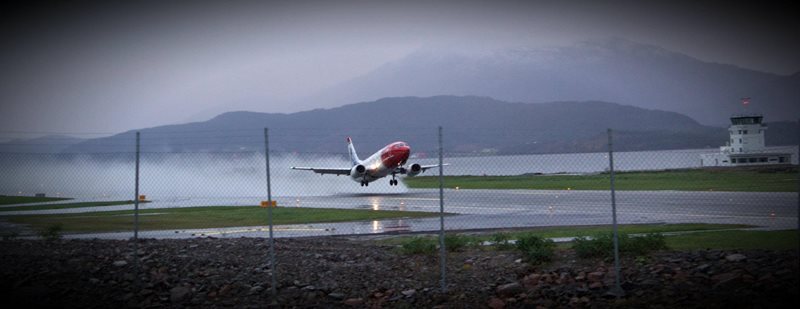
(471, 124)
(612, 70)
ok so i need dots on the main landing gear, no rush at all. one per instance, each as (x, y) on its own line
(392, 182)
(364, 183)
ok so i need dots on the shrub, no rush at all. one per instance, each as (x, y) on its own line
(535, 248)
(502, 241)
(419, 245)
(51, 232)
(602, 245)
(455, 242)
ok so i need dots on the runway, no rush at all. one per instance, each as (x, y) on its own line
(493, 209)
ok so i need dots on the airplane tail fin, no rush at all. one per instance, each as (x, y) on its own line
(354, 160)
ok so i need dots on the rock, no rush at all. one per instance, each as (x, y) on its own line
(353, 301)
(736, 257)
(336, 295)
(531, 280)
(120, 263)
(409, 293)
(225, 290)
(723, 279)
(496, 303)
(703, 267)
(595, 276)
(596, 285)
(256, 289)
(510, 289)
(179, 294)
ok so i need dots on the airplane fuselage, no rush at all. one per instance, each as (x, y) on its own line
(382, 163)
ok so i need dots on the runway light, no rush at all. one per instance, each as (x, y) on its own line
(457, 188)
(568, 188)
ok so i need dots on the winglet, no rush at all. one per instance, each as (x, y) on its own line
(349, 141)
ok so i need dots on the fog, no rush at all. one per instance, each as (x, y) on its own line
(170, 177)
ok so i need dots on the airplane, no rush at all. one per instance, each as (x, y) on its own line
(387, 161)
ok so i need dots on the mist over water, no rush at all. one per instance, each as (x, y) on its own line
(177, 176)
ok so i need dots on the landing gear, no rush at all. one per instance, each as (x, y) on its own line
(364, 183)
(392, 182)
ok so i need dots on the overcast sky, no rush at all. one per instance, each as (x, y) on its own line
(109, 67)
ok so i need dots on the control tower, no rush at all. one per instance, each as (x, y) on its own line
(747, 134)
(746, 145)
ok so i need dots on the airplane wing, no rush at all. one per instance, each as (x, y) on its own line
(426, 167)
(410, 169)
(336, 171)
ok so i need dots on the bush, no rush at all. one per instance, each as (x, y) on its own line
(455, 242)
(502, 241)
(51, 232)
(644, 244)
(602, 245)
(419, 245)
(535, 248)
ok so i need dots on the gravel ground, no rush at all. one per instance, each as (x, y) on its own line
(342, 272)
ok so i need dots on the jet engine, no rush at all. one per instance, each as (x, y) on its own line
(357, 171)
(413, 170)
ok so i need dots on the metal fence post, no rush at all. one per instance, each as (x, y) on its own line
(269, 218)
(136, 217)
(617, 289)
(136, 197)
(443, 250)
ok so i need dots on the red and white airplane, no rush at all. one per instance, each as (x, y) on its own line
(387, 161)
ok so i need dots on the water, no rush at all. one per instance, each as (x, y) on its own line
(577, 163)
(167, 176)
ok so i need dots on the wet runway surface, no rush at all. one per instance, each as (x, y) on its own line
(492, 209)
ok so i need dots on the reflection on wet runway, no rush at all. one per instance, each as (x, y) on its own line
(493, 209)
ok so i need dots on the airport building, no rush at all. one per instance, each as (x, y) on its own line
(746, 145)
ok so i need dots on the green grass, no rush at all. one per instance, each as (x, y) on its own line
(8, 200)
(204, 217)
(706, 237)
(68, 205)
(772, 240)
(732, 179)
(573, 231)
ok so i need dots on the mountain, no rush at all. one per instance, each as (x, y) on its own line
(44, 144)
(611, 70)
(471, 125)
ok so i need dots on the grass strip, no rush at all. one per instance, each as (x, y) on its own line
(576, 231)
(205, 217)
(770, 240)
(68, 205)
(745, 180)
(8, 200)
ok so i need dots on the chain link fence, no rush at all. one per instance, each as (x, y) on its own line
(218, 187)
